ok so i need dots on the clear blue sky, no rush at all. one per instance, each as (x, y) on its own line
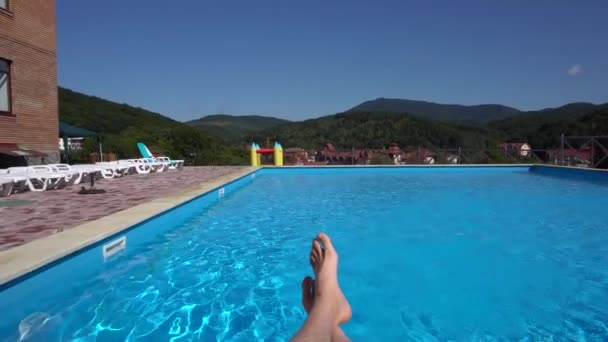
(301, 59)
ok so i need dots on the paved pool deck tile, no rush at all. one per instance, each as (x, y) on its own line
(40, 214)
(66, 222)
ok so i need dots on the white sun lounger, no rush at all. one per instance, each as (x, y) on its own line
(170, 163)
(118, 169)
(146, 165)
(8, 183)
(153, 166)
(141, 168)
(106, 171)
(81, 172)
(6, 186)
(70, 176)
(123, 167)
(39, 180)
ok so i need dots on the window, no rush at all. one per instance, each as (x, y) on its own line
(4, 4)
(5, 86)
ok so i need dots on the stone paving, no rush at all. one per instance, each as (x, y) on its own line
(31, 215)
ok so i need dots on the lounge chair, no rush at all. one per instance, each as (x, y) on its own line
(6, 186)
(83, 171)
(153, 166)
(131, 166)
(118, 169)
(106, 171)
(10, 182)
(171, 164)
(38, 180)
(70, 176)
(145, 166)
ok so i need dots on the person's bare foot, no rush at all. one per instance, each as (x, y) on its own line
(308, 300)
(324, 262)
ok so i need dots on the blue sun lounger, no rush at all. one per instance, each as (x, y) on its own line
(170, 163)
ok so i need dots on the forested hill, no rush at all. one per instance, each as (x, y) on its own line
(377, 130)
(121, 126)
(105, 116)
(542, 129)
(437, 111)
(232, 128)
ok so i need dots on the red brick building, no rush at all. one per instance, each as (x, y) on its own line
(28, 80)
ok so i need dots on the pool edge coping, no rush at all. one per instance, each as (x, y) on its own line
(21, 260)
(567, 167)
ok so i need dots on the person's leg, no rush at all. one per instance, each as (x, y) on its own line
(330, 307)
(308, 301)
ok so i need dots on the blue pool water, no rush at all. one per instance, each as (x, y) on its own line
(425, 254)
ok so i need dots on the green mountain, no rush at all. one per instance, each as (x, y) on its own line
(121, 126)
(436, 111)
(232, 128)
(105, 116)
(377, 130)
(198, 141)
(542, 129)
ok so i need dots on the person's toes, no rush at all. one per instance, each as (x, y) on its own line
(327, 245)
(312, 260)
(316, 248)
(315, 256)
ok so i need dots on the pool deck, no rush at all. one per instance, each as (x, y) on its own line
(52, 224)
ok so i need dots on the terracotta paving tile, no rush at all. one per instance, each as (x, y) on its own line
(56, 210)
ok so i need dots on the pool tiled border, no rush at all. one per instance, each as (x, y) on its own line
(573, 168)
(21, 260)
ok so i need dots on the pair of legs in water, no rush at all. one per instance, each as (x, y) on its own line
(322, 297)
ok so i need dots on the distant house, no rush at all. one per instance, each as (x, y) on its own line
(331, 156)
(571, 156)
(295, 156)
(521, 149)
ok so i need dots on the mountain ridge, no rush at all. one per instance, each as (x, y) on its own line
(378, 129)
(121, 126)
(480, 113)
(232, 128)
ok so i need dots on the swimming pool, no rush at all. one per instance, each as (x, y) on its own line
(425, 253)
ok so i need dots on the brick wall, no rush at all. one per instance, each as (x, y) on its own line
(28, 40)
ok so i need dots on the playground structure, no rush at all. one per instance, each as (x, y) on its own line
(256, 154)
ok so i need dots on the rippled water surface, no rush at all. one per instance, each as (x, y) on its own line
(476, 254)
